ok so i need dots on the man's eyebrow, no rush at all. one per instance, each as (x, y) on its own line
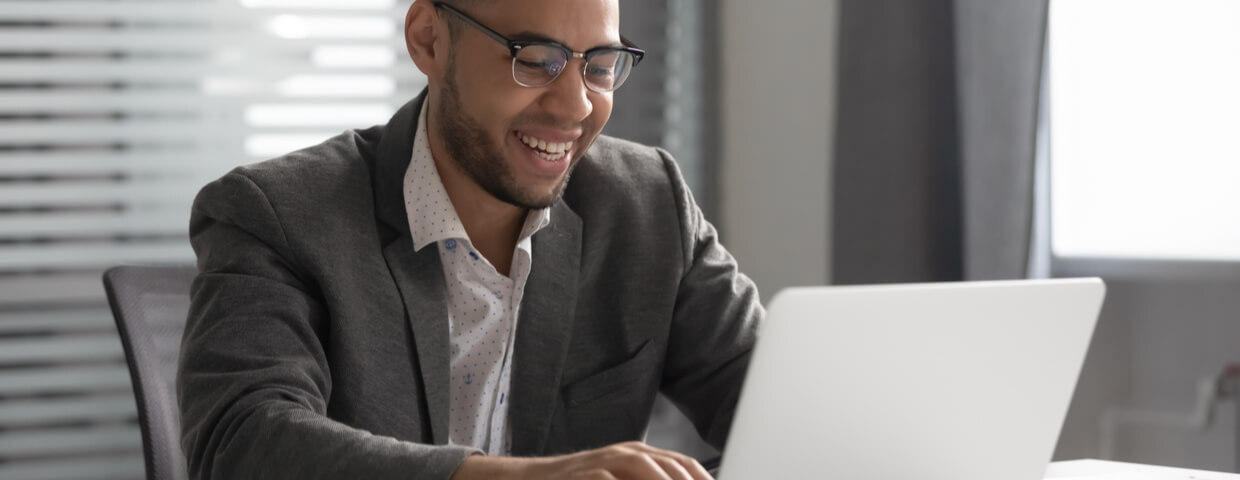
(531, 36)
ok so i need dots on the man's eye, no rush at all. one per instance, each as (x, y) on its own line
(550, 67)
(599, 71)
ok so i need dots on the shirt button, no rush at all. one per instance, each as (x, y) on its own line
(450, 244)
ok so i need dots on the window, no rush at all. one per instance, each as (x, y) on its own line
(112, 115)
(1144, 110)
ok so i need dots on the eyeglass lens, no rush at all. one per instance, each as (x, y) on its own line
(538, 65)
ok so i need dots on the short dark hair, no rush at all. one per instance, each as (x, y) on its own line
(454, 25)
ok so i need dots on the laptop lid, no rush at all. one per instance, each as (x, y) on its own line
(966, 380)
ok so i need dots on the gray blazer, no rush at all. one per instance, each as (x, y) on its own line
(317, 341)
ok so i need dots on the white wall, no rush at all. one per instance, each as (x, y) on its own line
(777, 107)
(1156, 339)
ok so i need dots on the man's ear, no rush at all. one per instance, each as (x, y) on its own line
(422, 35)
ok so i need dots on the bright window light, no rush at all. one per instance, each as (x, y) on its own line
(266, 145)
(221, 85)
(303, 115)
(353, 56)
(1145, 129)
(336, 26)
(324, 4)
(337, 85)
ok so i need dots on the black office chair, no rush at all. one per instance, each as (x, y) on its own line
(150, 305)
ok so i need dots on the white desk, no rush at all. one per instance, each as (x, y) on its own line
(1106, 470)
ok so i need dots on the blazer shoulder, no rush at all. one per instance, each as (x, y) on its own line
(618, 156)
(341, 157)
(620, 166)
(325, 186)
(619, 182)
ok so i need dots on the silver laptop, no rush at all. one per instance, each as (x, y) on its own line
(927, 381)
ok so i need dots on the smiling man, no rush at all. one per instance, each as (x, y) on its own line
(434, 298)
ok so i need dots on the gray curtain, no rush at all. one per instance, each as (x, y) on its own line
(999, 60)
(934, 164)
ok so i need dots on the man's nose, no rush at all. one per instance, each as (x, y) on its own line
(567, 97)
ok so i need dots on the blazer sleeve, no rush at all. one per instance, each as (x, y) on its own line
(253, 378)
(714, 323)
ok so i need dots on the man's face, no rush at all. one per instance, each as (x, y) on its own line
(488, 122)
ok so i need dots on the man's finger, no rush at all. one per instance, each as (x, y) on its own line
(599, 474)
(696, 470)
(672, 467)
(627, 462)
(690, 465)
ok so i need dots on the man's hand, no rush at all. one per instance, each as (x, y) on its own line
(630, 460)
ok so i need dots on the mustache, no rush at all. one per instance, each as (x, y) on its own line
(551, 121)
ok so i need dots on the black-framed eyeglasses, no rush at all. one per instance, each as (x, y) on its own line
(537, 64)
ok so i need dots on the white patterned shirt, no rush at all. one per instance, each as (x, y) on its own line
(483, 305)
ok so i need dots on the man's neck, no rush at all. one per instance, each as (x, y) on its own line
(493, 226)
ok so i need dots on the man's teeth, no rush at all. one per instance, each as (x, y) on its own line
(553, 148)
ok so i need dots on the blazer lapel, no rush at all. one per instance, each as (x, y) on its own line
(392, 158)
(418, 275)
(544, 329)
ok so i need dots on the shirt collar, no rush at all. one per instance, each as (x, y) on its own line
(432, 217)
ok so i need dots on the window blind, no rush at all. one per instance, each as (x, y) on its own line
(112, 115)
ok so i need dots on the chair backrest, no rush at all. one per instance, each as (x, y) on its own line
(150, 305)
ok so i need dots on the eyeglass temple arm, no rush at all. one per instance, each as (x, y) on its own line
(629, 43)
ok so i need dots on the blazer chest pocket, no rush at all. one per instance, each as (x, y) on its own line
(618, 378)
